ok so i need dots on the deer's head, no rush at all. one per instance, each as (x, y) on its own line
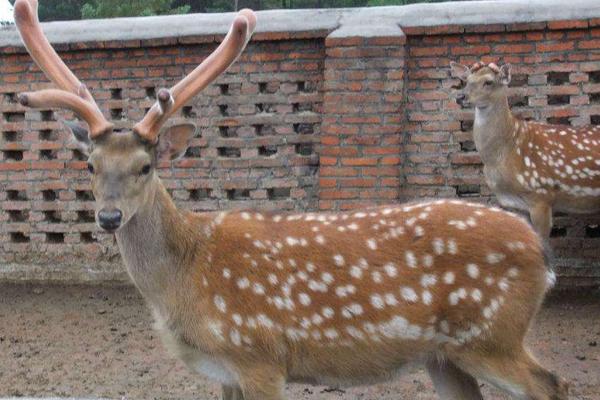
(484, 84)
(123, 163)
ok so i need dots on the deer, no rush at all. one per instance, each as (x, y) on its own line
(255, 299)
(530, 166)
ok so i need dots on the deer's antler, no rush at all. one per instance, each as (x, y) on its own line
(171, 100)
(72, 94)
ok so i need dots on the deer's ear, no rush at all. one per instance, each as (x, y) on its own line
(505, 74)
(459, 71)
(79, 136)
(174, 141)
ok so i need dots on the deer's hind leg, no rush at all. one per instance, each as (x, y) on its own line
(541, 219)
(451, 382)
(516, 373)
(232, 393)
(262, 383)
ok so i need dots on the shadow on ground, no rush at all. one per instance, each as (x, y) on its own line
(98, 342)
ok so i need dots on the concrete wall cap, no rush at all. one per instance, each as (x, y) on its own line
(353, 22)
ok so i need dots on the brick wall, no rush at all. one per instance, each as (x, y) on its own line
(331, 117)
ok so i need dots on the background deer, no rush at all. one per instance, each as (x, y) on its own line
(530, 166)
(255, 300)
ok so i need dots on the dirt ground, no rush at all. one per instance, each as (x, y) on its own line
(98, 342)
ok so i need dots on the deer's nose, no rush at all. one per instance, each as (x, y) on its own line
(110, 219)
(460, 98)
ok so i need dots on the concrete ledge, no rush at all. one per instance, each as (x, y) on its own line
(80, 274)
(322, 22)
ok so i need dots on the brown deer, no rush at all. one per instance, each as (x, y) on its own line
(256, 299)
(530, 166)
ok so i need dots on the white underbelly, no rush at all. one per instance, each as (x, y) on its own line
(215, 370)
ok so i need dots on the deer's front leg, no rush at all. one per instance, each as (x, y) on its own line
(541, 219)
(232, 393)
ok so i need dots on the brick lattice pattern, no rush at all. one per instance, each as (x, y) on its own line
(301, 122)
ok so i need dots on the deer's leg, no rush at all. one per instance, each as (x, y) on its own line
(541, 219)
(451, 383)
(232, 393)
(262, 383)
(515, 373)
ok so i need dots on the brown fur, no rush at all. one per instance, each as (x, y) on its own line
(531, 166)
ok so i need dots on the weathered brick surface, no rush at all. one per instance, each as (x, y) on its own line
(259, 127)
(304, 121)
(556, 78)
(362, 117)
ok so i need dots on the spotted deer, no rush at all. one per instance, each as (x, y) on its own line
(530, 166)
(257, 299)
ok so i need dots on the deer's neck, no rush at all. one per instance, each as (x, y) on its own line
(493, 130)
(159, 247)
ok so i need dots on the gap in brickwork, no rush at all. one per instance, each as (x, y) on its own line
(151, 92)
(300, 107)
(12, 155)
(12, 136)
(55, 237)
(18, 215)
(13, 116)
(19, 237)
(78, 155)
(116, 94)
(227, 132)
(48, 135)
(304, 149)
(518, 101)
(592, 231)
(518, 80)
(16, 195)
(595, 119)
(262, 87)
(49, 195)
(304, 129)
(466, 125)
(558, 120)
(48, 154)
(594, 76)
(193, 152)
(200, 194)
(10, 97)
(558, 231)
(84, 195)
(47, 115)
(238, 194)
(558, 78)
(188, 112)
(117, 113)
(85, 216)
(278, 193)
(595, 98)
(87, 237)
(52, 216)
(558, 99)
(229, 152)
(467, 146)
(224, 89)
(267, 151)
(468, 190)
(224, 110)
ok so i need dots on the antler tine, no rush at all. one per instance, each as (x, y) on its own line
(171, 100)
(73, 93)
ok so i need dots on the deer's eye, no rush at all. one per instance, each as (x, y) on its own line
(90, 168)
(145, 170)
(488, 83)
